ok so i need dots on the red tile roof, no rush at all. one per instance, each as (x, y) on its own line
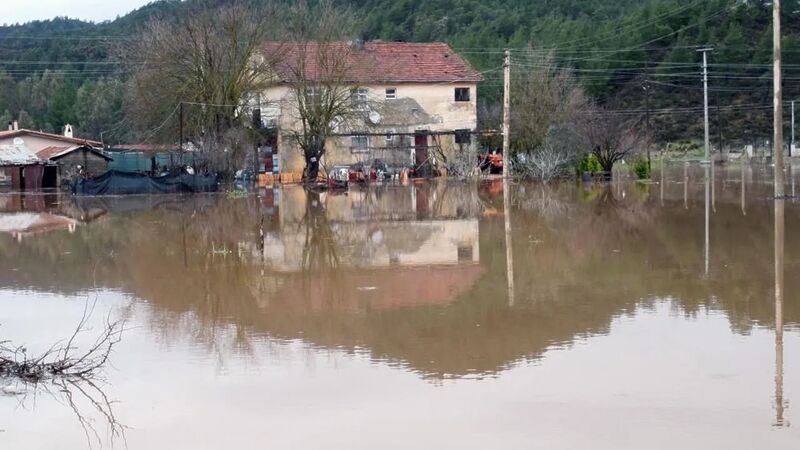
(374, 62)
(56, 137)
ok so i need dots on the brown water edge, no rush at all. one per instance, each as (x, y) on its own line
(415, 276)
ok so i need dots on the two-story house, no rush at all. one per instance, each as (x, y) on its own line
(418, 99)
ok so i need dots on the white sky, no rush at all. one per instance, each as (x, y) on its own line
(20, 11)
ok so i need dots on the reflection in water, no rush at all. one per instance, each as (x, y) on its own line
(780, 402)
(706, 243)
(406, 283)
(508, 244)
(743, 163)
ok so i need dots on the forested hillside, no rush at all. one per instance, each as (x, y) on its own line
(64, 70)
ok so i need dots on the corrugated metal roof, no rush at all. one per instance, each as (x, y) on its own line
(17, 155)
(55, 152)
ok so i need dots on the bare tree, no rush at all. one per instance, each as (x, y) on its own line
(318, 59)
(543, 96)
(613, 137)
(209, 61)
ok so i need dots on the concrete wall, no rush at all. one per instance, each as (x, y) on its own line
(438, 112)
(36, 143)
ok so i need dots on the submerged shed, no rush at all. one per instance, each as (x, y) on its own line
(71, 161)
(22, 168)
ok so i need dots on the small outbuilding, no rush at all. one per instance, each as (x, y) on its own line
(69, 162)
(22, 168)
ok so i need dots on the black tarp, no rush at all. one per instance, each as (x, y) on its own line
(123, 183)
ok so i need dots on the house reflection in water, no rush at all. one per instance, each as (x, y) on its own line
(388, 248)
(25, 215)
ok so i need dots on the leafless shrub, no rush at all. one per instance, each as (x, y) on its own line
(556, 157)
(69, 374)
(464, 163)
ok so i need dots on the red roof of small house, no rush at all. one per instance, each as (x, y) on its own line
(55, 137)
(371, 62)
(55, 152)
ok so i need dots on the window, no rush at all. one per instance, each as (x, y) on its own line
(311, 91)
(391, 93)
(462, 94)
(358, 97)
(463, 137)
(359, 144)
(390, 137)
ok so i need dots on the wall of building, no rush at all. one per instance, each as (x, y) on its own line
(91, 162)
(439, 113)
(36, 143)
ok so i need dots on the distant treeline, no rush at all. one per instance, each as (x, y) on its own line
(64, 70)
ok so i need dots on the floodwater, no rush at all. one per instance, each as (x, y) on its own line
(640, 316)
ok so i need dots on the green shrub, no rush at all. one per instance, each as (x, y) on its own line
(642, 169)
(589, 163)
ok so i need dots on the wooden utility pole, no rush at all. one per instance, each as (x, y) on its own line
(507, 175)
(705, 99)
(778, 100)
(646, 87)
(791, 146)
(506, 113)
(180, 127)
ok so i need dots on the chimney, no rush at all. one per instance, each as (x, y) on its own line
(15, 126)
(68, 130)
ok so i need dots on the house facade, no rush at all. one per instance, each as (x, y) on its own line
(34, 159)
(415, 105)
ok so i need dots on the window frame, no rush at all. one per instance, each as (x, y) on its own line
(463, 136)
(393, 95)
(461, 98)
(356, 148)
(359, 97)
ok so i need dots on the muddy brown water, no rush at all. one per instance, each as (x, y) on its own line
(642, 316)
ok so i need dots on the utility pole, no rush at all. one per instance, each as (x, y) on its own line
(646, 87)
(791, 147)
(506, 112)
(180, 127)
(705, 98)
(506, 175)
(719, 122)
(777, 74)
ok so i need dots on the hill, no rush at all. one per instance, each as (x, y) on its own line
(616, 47)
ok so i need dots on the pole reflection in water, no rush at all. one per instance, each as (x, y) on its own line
(707, 202)
(686, 185)
(662, 179)
(713, 187)
(744, 185)
(779, 293)
(509, 253)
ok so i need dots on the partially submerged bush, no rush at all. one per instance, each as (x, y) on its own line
(642, 169)
(589, 164)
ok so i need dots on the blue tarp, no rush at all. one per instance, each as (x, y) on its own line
(123, 183)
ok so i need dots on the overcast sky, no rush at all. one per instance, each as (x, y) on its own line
(19, 11)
